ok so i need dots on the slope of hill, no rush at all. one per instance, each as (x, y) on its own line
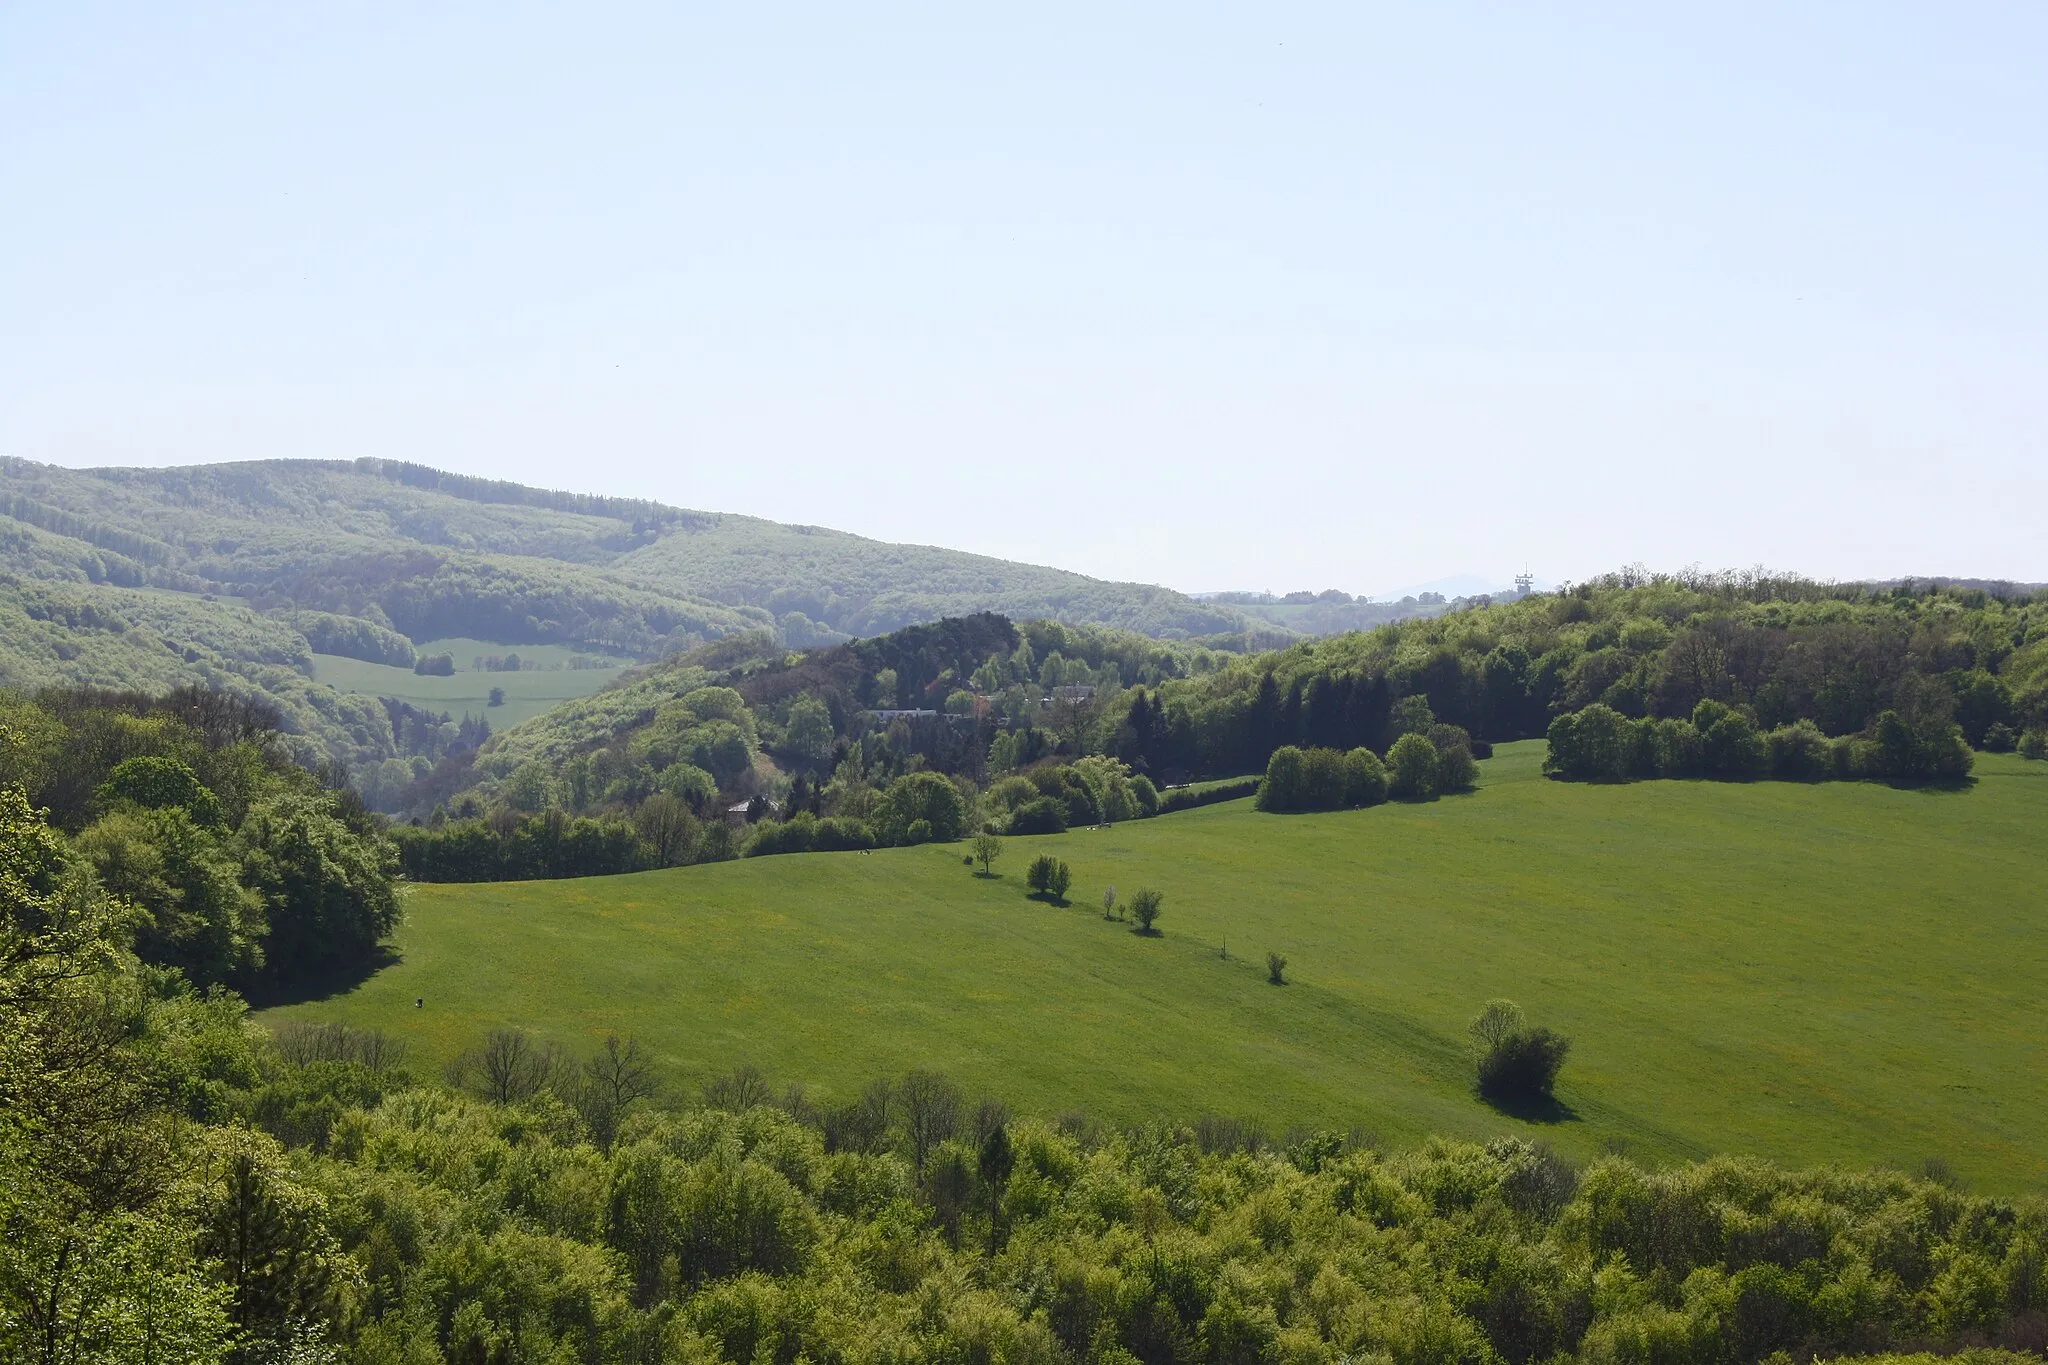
(1833, 973)
(238, 575)
(379, 536)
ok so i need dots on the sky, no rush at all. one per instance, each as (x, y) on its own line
(1260, 296)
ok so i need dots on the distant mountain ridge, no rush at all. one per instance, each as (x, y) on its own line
(277, 531)
(238, 575)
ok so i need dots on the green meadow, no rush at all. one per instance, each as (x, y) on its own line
(528, 693)
(1839, 973)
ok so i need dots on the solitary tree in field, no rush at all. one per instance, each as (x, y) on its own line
(1145, 908)
(1062, 878)
(987, 848)
(1049, 877)
(1516, 1062)
(1276, 969)
(1496, 1021)
(1109, 902)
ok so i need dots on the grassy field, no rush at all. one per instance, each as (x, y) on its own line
(528, 693)
(1837, 973)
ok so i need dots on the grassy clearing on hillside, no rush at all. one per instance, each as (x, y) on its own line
(1845, 972)
(528, 693)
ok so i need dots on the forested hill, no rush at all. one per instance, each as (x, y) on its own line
(1694, 674)
(1636, 646)
(268, 579)
(435, 554)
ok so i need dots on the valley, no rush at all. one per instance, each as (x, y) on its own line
(1812, 974)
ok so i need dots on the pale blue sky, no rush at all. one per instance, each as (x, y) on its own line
(1273, 296)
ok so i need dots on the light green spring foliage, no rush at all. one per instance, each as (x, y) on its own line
(228, 859)
(153, 1213)
(1688, 937)
(136, 1229)
(1632, 640)
(712, 1235)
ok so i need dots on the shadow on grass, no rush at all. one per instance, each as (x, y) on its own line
(339, 980)
(1945, 786)
(1142, 932)
(1531, 1108)
(1953, 786)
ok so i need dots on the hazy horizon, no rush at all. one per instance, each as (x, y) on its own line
(1313, 297)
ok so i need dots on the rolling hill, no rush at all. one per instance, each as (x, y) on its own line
(315, 585)
(430, 551)
(1833, 973)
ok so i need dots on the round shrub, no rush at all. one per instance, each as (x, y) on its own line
(1282, 788)
(1735, 750)
(925, 800)
(1145, 794)
(1412, 769)
(1597, 744)
(1048, 876)
(1523, 1065)
(1456, 769)
(1365, 778)
(840, 834)
(1799, 752)
(157, 783)
(1042, 816)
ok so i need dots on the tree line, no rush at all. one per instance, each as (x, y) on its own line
(1421, 764)
(1647, 648)
(1722, 741)
(1040, 726)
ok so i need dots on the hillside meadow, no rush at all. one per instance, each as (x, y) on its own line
(1837, 973)
(529, 693)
